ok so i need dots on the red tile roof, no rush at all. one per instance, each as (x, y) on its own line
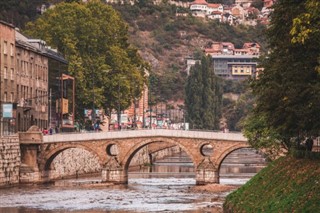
(199, 2)
(214, 5)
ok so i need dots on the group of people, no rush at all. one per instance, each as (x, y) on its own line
(45, 131)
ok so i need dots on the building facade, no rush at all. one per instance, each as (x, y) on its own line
(32, 83)
(7, 78)
(232, 63)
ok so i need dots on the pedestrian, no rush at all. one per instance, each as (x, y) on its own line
(309, 144)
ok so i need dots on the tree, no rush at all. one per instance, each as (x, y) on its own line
(257, 4)
(287, 92)
(306, 27)
(203, 96)
(19, 12)
(236, 111)
(193, 99)
(93, 38)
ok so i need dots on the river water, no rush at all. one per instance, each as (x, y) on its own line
(164, 187)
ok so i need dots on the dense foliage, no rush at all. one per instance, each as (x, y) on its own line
(203, 96)
(19, 12)
(287, 91)
(286, 185)
(93, 38)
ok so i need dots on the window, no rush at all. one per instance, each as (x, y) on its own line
(31, 70)
(12, 73)
(11, 97)
(18, 67)
(18, 92)
(5, 97)
(5, 46)
(11, 50)
(5, 74)
(21, 65)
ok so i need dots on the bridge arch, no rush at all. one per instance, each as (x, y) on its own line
(52, 154)
(137, 147)
(228, 151)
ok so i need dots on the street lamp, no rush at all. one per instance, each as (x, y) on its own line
(143, 120)
(119, 116)
(93, 116)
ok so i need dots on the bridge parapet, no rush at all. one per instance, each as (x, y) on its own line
(144, 133)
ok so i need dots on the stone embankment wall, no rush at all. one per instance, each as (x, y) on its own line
(9, 160)
(73, 162)
(158, 155)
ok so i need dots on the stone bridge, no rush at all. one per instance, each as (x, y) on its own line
(116, 149)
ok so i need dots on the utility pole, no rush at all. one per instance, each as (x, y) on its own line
(50, 107)
(134, 113)
(143, 121)
(93, 113)
(119, 116)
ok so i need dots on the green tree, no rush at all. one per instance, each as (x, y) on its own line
(93, 38)
(19, 12)
(203, 96)
(287, 92)
(306, 27)
(257, 4)
(236, 111)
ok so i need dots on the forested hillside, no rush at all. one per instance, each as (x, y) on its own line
(165, 40)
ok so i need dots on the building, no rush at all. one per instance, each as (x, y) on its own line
(57, 68)
(232, 63)
(244, 3)
(136, 113)
(203, 9)
(31, 83)
(268, 3)
(8, 79)
(31, 78)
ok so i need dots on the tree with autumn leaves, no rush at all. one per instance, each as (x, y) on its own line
(94, 39)
(287, 91)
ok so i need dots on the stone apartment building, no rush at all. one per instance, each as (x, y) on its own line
(31, 84)
(7, 78)
(25, 65)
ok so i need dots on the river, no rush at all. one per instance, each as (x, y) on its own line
(167, 186)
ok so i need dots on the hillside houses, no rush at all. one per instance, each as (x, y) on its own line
(239, 13)
(232, 63)
(229, 62)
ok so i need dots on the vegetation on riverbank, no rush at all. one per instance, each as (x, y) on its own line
(286, 185)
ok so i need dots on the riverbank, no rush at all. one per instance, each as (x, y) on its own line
(214, 188)
(285, 185)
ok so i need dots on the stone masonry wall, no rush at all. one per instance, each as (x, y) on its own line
(165, 152)
(9, 160)
(75, 161)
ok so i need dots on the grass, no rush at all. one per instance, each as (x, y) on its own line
(288, 184)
